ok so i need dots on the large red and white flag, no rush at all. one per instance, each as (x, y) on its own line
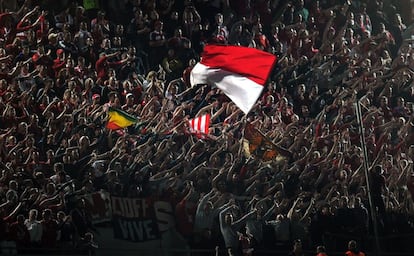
(200, 125)
(240, 72)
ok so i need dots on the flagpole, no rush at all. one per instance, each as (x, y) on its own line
(244, 124)
(366, 171)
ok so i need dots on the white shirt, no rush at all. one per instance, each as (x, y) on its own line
(35, 230)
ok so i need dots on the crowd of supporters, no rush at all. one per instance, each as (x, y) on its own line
(60, 71)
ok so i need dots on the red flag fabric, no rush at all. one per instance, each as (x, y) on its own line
(240, 72)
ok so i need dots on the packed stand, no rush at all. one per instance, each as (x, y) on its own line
(61, 71)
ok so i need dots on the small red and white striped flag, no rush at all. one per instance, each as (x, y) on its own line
(200, 125)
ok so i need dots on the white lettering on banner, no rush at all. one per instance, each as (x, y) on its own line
(129, 207)
(164, 215)
(136, 230)
(148, 229)
(141, 219)
(128, 210)
(127, 231)
(137, 226)
(124, 229)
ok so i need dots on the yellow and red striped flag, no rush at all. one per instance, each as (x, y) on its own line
(119, 119)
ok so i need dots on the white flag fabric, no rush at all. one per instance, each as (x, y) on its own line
(240, 72)
(200, 125)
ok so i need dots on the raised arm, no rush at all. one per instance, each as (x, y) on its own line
(270, 212)
(308, 210)
(292, 209)
(240, 222)
(222, 215)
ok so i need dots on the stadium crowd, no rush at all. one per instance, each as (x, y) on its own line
(61, 71)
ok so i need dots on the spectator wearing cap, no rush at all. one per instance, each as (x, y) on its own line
(129, 105)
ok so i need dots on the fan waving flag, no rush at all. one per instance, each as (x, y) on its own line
(119, 119)
(257, 144)
(240, 72)
(200, 125)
